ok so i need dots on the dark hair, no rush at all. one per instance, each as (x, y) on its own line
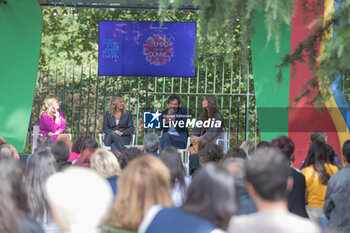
(78, 144)
(13, 201)
(330, 154)
(285, 144)
(211, 195)
(235, 152)
(346, 150)
(174, 97)
(211, 153)
(43, 141)
(60, 150)
(263, 145)
(318, 136)
(268, 172)
(212, 109)
(205, 140)
(317, 156)
(41, 165)
(171, 158)
(89, 143)
(129, 154)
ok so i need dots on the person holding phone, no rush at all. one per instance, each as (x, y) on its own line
(52, 121)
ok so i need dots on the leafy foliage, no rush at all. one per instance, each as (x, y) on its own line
(219, 22)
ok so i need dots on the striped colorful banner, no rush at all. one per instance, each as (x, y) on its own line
(303, 119)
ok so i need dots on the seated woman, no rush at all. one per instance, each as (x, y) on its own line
(144, 183)
(210, 112)
(52, 121)
(210, 203)
(118, 124)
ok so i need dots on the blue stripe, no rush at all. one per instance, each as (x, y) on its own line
(336, 86)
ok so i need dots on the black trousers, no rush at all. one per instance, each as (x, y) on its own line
(117, 142)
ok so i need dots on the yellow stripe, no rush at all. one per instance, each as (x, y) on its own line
(325, 84)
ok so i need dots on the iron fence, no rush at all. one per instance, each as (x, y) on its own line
(84, 97)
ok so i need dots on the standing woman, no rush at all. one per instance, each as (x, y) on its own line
(317, 173)
(118, 124)
(52, 121)
(210, 111)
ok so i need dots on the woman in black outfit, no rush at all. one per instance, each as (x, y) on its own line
(118, 124)
(210, 112)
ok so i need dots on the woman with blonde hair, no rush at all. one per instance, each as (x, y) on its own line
(106, 163)
(118, 124)
(145, 182)
(52, 121)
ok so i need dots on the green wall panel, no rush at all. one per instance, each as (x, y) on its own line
(20, 36)
(272, 97)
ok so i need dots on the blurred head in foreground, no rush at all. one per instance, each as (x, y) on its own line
(79, 199)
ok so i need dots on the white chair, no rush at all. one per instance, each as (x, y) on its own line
(185, 156)
(36, 134)
(223, 141)
(101, 137)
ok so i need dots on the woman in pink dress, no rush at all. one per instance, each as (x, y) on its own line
(52, 121)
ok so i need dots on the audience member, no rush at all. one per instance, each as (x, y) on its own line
(128, 155)
(296, 197)
(211, 153)
(40, 167)
(88, 148)
(236, 166)
(82, 142)
(79, 199)
(52, 122)
(66, 139)
(209, 206)
(235, 152)
(268, 184)
(194, 158)
(173, 133)
(317, 173)
(337, 200)
(318, 136)
(178, 180)
(14, 208)
(44, 142)
(144, 183)
(332, 158)
(210, 112)
(118, 124)
(2, 141)
(263, 145)
(105, 163)
(151, 144)
(9, 150)
(61, 152)
(248, 147)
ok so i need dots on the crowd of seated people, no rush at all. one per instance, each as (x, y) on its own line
(87, 189)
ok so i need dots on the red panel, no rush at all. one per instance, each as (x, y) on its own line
(304, 119)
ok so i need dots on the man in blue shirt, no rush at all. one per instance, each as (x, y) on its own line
(173, 124)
